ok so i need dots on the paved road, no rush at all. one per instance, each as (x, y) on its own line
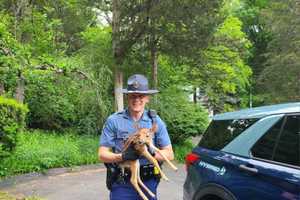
(83, 183)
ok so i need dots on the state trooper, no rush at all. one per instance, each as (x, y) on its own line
(116, 130)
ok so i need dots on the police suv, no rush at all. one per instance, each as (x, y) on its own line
(252, 154)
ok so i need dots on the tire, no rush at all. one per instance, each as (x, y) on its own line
(214, 192)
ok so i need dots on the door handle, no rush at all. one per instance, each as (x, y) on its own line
(248, 168)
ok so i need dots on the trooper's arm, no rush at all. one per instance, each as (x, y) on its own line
(106, 155)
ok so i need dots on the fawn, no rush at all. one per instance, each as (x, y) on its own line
(141, 140)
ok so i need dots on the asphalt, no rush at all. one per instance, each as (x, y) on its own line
(82, 183)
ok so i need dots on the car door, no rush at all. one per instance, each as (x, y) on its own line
(276, 161)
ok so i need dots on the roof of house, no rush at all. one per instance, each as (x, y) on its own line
(259, 112)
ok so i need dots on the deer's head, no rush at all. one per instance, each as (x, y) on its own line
(141, 137)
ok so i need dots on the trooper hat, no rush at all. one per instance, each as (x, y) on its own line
(138, 83)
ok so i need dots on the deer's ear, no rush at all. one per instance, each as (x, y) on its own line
(154, 128)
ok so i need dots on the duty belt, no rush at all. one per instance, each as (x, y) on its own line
(146, 172)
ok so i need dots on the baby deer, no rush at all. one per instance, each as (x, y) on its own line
(141, 141)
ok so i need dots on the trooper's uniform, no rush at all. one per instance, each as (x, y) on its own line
(118, 127)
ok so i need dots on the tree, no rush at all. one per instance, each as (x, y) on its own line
(280, 79)
(180, 28)
(255, 28)
(175, 28)
(118, 56)
(36, 63)
(43, 31)
(13, 61)
(221, 71)
(97, 62)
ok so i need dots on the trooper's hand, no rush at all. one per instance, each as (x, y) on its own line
(130, 154)
(151, 150)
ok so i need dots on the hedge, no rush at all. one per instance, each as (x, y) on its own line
(184, 119)
(12, 121)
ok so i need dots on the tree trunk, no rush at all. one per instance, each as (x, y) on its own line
(154, 62)
(20, 90)
(119, 105)
(2, 90)
(194, 94)
(18, 8)
(154, 58)
(118, 87)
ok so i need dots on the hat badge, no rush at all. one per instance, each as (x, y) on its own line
(135, 84)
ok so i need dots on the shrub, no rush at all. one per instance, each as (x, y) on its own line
(50, 100)
(58, 102)
(12, 121)
(182, 150)
(183, 118)
(39, 150)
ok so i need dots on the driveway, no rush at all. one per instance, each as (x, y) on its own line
(82, 183)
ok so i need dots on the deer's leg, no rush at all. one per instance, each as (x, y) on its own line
(147, 155)
(134, 166)
(166, 159)
(143, 185)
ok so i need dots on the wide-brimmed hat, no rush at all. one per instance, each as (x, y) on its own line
(138, 83)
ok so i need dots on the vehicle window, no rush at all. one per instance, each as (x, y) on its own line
(221, 132)
(265, 146)
(287, 149)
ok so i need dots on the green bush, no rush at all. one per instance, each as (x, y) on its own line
(182, 150)
(50, 99)
(39, 150)
(183, 118)
(58, 102)
(12, 121)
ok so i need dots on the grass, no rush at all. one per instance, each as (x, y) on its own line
(38, 151)
(5, 196)
(182, 149)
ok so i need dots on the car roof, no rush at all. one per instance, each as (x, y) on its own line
(259, 112)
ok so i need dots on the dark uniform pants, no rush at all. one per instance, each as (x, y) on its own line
(125, 191)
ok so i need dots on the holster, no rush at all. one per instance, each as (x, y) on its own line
(112, 173)
(146, 172)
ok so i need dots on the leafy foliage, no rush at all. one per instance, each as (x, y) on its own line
(181, 28)
(40, 150)
(255, 27)
(183, 119)
(227, 59)
(50, 100)
(182, 150)
(62, 91)
(12, 55)
(96, 99)
(12, 121)
(220, 70)
(279, 81)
